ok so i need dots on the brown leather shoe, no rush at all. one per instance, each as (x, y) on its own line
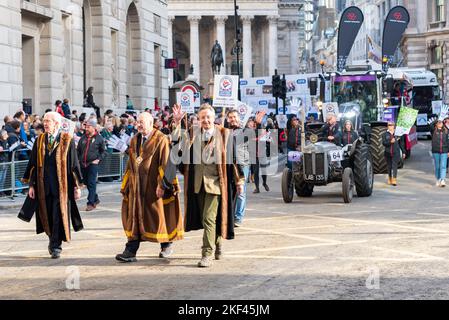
(394, 182)
(89, 208)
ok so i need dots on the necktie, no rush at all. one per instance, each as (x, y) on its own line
(50, 144)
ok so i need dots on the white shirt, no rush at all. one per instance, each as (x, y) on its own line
(207, 134)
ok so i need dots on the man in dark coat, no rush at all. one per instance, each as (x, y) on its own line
(54, 177)
(330, 131)
(211, 181)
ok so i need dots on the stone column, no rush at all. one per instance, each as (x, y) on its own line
(195, 45)
(273, 43)
(221, 37)
(170, 20)
(247, 49)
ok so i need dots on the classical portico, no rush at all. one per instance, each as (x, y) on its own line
(196, 24)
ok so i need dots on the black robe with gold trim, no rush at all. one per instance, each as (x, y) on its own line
(69, 176)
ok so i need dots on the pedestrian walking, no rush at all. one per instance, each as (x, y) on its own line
(241, 140)
(149, 211)
(293, 138)
(209, 181)
(91, 150)
(54, 178)
(440, 149)
(393, 149)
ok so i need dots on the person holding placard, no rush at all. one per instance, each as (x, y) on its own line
(393, 146)
(440, 149)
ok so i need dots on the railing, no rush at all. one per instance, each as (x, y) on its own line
(12, 171)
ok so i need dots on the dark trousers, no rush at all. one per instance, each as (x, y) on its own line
(255, 170)
(392, 165)
(90, 174)
(57, 229)
(133, 245)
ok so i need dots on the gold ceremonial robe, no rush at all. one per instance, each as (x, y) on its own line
(144, 216)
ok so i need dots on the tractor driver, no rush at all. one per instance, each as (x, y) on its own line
(330, 131)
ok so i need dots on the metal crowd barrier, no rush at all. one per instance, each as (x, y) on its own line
(11, 172)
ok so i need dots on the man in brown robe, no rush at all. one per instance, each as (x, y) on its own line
(54, 177)
(149, 213)
(211, 181)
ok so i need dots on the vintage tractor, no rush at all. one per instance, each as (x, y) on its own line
(322, 163)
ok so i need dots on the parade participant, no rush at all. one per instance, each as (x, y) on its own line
(148, 212)
(256, 125)
(91, 150)
(293, 137)
(440, 149)
(241, 158)
(393, 146)
(330, 131)
(54, 177)
(209, 181)
(349, 135)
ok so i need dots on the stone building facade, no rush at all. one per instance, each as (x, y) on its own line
(427, 38)
(269, 31)
(55, 49)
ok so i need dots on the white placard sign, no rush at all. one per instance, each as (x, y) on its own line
(186, 101)
(225, 91)
(436, 107)
(330, 107)
(117, 144)
(68, 126)
(282, 121)
(244, 111)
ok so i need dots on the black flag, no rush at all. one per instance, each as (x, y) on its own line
(397, 21)
(350, 23)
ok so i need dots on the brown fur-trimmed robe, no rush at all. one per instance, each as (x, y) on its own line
(144, 216)
(230, 175)
(69, 176)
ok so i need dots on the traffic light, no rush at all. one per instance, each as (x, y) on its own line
(276, 83)
(283, 88)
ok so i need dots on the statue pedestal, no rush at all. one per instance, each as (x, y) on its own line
(210, 85)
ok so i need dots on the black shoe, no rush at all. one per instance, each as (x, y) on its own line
(126, 256)
(96, 203)
(54, 253)
(266, 187)
(256, 190)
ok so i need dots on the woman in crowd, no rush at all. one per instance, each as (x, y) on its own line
(440, 149)
(393, 147)
(349, 135)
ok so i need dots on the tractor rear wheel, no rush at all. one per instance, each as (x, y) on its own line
(363, 171)
(378, 150)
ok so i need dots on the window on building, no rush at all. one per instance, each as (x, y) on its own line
(437, 55)
(440, 10)
(157, 24)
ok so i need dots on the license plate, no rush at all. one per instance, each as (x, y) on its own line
(336, 155)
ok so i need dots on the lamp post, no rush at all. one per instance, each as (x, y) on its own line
(237, 44)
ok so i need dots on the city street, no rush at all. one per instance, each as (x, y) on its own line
(394, 245)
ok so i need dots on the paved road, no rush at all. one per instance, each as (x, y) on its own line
(394, 245)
